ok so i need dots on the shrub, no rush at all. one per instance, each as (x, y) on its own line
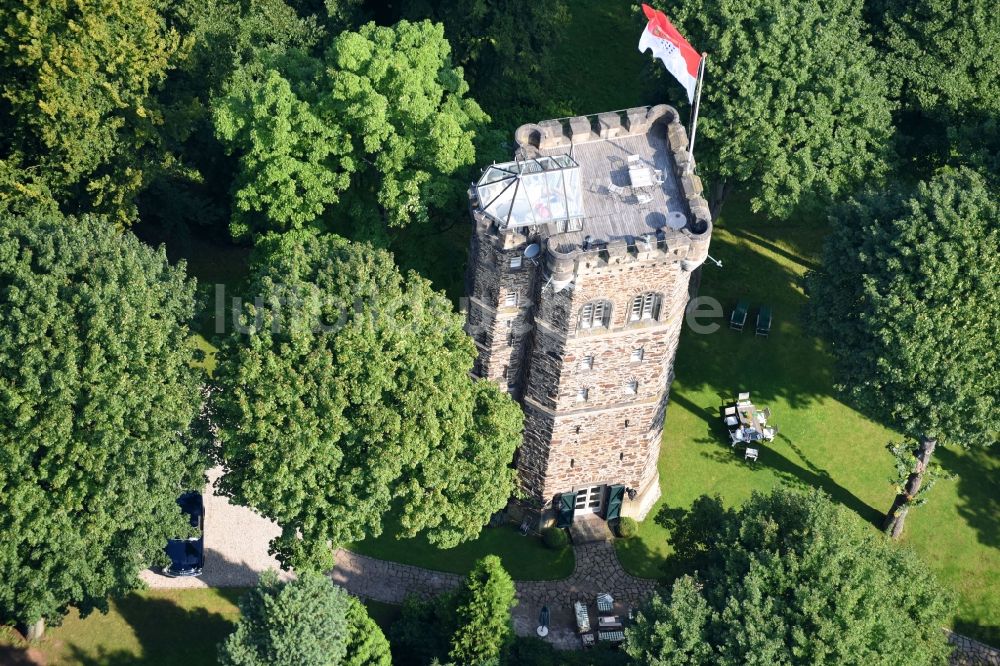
(555, 538)
(626, 528)
(308, 622)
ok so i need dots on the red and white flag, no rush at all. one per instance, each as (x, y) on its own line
(668, 45)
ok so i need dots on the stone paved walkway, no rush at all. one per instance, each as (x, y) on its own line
(597, 570)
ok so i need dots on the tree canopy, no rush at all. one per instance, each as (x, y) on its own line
(482, 614)
(504, 48)
(791, 578)
(909, 298)
(943, 55)
(78, 82)
(227, 39)
(470, 625)
(352, 397)
(96, 398)
(381, 124)
(305, 622)
(794, 107)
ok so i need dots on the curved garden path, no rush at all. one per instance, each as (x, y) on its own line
(597, 570)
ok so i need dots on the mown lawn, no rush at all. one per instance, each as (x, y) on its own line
(822, 442)
(524, 557)
(155, 627)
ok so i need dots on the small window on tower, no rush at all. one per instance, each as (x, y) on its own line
(587, 363)
(596, 314)
(631, 387)
(515, 262)
(510, 299)
(583, 395)
(637, 355)
(645, 306)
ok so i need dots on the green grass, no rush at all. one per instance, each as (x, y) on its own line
(822, 442)
(524, 557)
(165, 627)
(204, 354)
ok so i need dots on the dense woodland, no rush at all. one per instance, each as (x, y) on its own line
(335, 140)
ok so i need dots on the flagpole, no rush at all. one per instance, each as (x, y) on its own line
(694, 111)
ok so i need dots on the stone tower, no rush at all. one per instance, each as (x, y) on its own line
(579, 271)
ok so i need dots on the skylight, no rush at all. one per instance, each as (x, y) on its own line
(532, 191)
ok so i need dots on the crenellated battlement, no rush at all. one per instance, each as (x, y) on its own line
(580, 262)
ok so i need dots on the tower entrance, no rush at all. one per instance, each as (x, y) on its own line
(589, 499)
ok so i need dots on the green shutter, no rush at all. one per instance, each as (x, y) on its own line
(614, 504)
(567, 504)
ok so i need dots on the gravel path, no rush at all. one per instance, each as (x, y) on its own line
(236, 541)
(597, 570)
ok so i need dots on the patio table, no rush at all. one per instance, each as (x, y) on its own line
(750, 417)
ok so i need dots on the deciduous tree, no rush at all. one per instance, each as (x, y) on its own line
(794, 108)
(350, 396)
(96, 397)
(78, 81)
(943, 55)
(305, 622)
(470, 625)
(289, 159)
(796, 580)
(382, 125)
(909, 298)
(504, 48)
(229, 42)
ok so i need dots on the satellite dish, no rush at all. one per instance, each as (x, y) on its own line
(676, 221)
(531, 251)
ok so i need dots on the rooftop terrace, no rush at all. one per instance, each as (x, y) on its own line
(590, 180)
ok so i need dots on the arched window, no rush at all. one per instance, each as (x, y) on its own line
(645, 306)
(596, 314)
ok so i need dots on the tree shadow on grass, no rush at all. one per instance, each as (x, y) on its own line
(637, 550)
(790, 365)
(977, 471)
(757, 239)
(168, 634)
(21, 654)
(984, 633)
(806, 475)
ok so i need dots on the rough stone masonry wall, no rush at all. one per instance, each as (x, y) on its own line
(501, 333)
(565, 444)
(614, 436)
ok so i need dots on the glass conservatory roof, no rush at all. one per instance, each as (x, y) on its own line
(532, 191)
